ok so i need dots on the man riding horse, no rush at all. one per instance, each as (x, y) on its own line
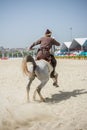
(46, 43)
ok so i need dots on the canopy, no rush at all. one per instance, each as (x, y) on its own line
(65, 46)
(77, 43)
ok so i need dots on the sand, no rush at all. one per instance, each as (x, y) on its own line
(65, 107)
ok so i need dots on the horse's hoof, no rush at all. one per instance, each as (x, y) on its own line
(43, 100)
(55, 84)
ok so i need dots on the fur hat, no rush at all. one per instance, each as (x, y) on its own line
(48, 32)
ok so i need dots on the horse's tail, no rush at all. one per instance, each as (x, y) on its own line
(26, 59)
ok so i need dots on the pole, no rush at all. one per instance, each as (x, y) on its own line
(71, 33)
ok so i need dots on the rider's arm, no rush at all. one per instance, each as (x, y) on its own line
(35, 43)
(56, 42)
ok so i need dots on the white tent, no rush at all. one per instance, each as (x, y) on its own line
(65, 46)
(78, 43)
(81, 41)
(85, 45)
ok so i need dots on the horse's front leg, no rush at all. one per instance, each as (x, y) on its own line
(28, 88)
(38, 91)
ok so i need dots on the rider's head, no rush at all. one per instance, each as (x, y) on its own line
(48, 33)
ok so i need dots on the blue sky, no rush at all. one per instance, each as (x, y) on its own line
(24, 21)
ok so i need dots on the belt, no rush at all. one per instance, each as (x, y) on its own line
(44, 49)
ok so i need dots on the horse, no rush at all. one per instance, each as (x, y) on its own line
(41, 69)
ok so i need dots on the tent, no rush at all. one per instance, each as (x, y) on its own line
(65, 46)
(85, 46)
(78, 44)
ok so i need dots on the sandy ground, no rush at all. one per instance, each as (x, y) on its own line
(65, 107)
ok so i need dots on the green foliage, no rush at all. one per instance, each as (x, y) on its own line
(72, 57)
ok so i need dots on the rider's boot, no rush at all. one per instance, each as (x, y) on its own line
(52, 75)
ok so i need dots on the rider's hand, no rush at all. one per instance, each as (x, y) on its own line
(29, 49)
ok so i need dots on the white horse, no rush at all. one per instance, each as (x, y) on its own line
(40, 69)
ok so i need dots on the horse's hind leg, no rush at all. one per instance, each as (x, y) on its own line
(38, 90)
(28, 88)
